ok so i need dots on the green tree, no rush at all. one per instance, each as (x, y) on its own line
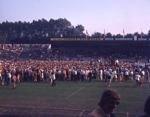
(97, 35)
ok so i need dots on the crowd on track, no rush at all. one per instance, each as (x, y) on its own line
(20, 64)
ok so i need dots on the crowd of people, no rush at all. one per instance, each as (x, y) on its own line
(62, 67)
(38, 70)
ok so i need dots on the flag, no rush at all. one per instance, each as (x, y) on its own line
(87, 34)
(123, 33)
(141, 34)
(49, 46)
(104, 33)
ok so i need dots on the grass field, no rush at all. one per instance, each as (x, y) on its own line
(68, 99)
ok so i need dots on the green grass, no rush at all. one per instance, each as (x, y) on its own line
(69, 98)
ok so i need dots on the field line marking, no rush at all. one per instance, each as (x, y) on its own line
(81, 113)
(74, 93)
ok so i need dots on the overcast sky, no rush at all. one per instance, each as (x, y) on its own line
(94, 15)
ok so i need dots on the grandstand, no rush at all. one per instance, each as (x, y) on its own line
(73, 47)
(110, 46)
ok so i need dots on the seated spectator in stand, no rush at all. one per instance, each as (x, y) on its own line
(107, 104)
(146, 108)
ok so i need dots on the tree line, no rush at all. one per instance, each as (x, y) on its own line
(41, 31)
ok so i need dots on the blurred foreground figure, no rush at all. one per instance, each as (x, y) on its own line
(146, 108)
(108, 102)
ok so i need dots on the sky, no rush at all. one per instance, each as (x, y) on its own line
(95, 15)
